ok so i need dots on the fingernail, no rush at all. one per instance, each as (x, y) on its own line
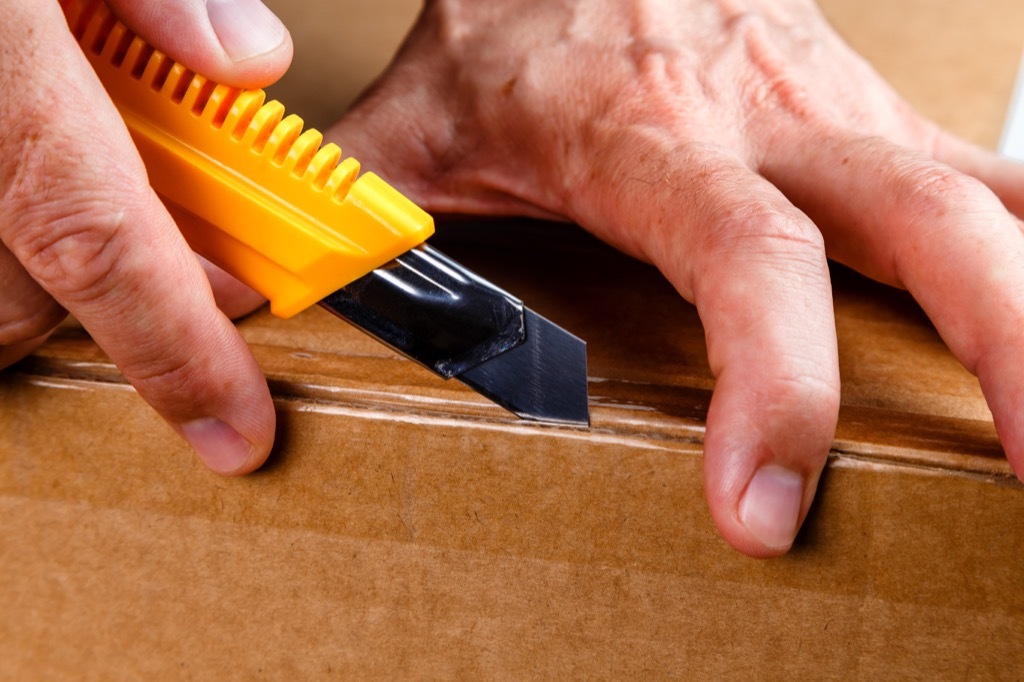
(245, 28)
(770, 508)
(220, 447)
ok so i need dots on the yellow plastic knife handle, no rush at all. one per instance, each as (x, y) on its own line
(283, 215)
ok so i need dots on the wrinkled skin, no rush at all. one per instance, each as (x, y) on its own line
(734, 144)
(82, 231)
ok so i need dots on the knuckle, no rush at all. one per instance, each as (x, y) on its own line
(74, 249)
(170, 382)
(932, 190)
(63, 222)
(765, 230)
(807, 401)
(810, 390)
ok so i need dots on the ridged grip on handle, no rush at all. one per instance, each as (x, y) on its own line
(283, 215)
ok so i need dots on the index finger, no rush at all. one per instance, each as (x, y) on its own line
(79, 216)
(755, 268)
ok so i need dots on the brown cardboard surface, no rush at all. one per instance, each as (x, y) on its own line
(408, 528)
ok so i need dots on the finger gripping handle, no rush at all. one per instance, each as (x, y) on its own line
(282, 213)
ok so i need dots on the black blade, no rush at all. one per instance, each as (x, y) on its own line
(544, 378)
(452, 321)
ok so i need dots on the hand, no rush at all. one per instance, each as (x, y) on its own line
(82, 231)
(734, 144)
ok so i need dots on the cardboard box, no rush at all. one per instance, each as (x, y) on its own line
(408, 528)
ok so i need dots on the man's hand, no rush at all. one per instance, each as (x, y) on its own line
(734, 144)
(82, 231)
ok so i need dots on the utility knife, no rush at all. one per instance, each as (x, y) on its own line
(288, 216)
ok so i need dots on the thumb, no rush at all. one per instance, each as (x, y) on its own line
(240, 43)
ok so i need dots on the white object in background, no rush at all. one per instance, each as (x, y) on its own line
(1012, 144)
